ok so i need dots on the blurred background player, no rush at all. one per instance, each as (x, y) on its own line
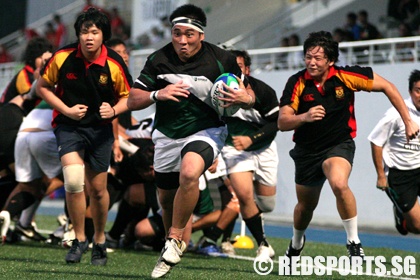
(251, 156)
(133, 185)
(215, 224)
(21, 100)
(397, 162)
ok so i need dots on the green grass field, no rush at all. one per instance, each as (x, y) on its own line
(29, 260)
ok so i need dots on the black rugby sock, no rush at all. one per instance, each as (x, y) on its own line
(255, 226)
(19, 202)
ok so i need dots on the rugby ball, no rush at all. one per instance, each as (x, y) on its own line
(230, 80)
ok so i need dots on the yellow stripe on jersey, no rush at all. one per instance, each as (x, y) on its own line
(23, 85)
(297, 91)
(121, 85)
(52, 69)
(355, 81)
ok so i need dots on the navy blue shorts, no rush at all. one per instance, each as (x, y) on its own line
(308, 164)
(96, 142)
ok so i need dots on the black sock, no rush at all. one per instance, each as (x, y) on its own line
(228, 231)
(225, 196)
(89, 229)
(255, 226)
(20, 202)
(124, 216)
(7, 184)
(215, 233)
(207, 230)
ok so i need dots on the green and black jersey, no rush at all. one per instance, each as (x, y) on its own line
(337, 97)
(195, 113)
(259, 122)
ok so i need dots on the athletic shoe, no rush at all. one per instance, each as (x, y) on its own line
(4, 225)
(199, 243)
(208, 247)
(292, 252)
(227, 248)
(62, 219)
(400, 222)
(76, 251)
(190, 246)
(171, 255)
(112, 243)
(264, 253)
(68, 236)
(355, 250)
(29, 232)
(99, 255)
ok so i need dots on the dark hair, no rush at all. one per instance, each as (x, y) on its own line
(363, 13)
(35, 48)
(189, 11)
(92, 17)
(244, 55)
(324, 40)
(352, 15)
(414, 78)
(143, 157)
(57, 17)
(114, 42)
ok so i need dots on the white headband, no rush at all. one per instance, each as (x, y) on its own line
(188, 22)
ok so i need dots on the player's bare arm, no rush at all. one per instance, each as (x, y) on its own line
(391, 91)
(288, 120)
(241, 142)
(139, 99)
(45, 91)
(381, 182)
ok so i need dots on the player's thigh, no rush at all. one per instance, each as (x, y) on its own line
(237, 161)
(266, 162)
(413, 216)
(308, 196)
(43, 146)
(26, 167)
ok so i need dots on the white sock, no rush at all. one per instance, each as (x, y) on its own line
(28, 214)
(297, 239)
(350, 225)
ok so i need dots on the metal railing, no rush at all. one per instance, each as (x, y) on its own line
(382, 51)
(373, 52)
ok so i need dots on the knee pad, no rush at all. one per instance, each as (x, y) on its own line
(265, 203)
(74, 178)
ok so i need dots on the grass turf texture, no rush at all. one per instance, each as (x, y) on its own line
(31, 260)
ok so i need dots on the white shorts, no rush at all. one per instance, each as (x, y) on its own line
(263, 162)
(36, 154)
(220, 170)
(168, 151)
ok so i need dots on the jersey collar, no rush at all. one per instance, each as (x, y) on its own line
(29, 68)
(101, 60)
(331, 72)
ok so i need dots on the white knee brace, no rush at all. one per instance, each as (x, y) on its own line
(74, 178)
(265, 203)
